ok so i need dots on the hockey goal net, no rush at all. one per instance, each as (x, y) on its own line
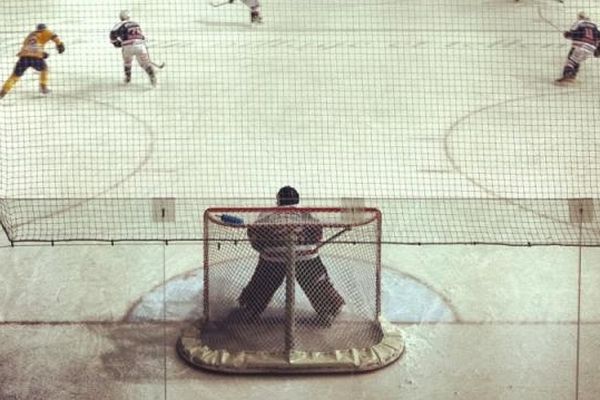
(291, 289)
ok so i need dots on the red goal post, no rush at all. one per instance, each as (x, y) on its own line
(291, 289)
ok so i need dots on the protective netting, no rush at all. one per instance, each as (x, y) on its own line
(288, 282)
(407, 221)
(442, 114)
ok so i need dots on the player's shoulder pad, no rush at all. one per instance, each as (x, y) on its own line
(118, 26)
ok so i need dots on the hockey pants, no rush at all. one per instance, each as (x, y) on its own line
(576, 56)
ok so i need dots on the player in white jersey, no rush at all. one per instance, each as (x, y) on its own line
(584, 36)
(128, 35)
(254, 6)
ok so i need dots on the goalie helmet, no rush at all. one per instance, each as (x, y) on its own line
(124, 15)
(287, 196)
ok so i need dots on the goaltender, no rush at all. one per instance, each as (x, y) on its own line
(268, 235)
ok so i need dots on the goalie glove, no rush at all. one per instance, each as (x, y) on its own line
(61, 48)
(232, 219)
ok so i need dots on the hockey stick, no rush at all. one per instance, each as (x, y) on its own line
(546, 20)
(323, 243)
(157, 65)
(215, 4)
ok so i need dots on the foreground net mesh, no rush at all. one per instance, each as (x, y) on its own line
(291, 289)
(441, 114)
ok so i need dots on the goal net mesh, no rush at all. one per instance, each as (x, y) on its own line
(291, 288)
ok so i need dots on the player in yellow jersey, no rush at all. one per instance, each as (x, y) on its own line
(32, 55)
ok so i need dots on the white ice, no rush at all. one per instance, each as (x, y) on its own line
(378, 99)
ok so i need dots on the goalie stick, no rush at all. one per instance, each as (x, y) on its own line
(329, 240)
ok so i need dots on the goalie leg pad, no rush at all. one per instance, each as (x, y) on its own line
(265, 281)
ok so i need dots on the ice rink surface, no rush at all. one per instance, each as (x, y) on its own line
(383, 100)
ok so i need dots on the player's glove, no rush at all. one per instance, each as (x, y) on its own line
(46, 55)
(117, 43)
(61, 48)
(567, 34)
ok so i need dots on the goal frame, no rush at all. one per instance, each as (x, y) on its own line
(194, 351)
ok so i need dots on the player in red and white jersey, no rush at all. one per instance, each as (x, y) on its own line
(128, 35)
(584, 35)
(269, 235)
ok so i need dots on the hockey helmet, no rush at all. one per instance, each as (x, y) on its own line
(287, 196)
(40, 27)
(124, 15)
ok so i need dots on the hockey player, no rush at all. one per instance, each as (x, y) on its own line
(584, 37)
(254, 6)
(269, 236)
(128, 35)
(32, 55)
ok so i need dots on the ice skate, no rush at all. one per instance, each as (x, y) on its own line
(564, 81)
(44, 89)
(255, 18)
(2, 93)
